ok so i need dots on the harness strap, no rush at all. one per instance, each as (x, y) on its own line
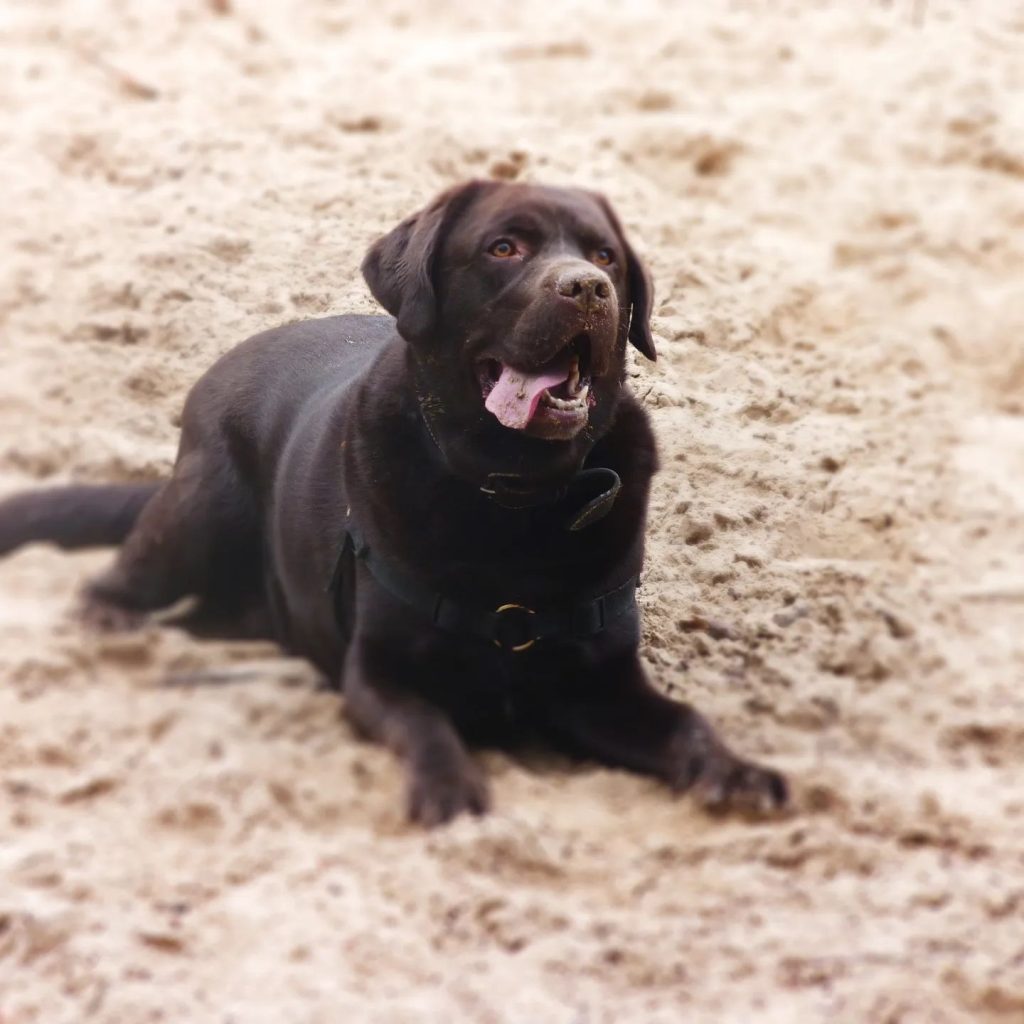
(592, 492)
(511, 627)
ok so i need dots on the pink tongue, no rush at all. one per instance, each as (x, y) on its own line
(514, 398)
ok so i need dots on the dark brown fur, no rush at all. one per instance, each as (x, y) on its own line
(384, 417)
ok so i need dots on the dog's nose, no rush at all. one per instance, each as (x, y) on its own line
(587, 288)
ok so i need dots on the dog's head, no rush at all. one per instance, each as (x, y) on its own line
(518, 301)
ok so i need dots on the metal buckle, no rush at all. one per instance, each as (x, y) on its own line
(525, 632)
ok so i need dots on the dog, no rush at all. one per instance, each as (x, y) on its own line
(443, 509)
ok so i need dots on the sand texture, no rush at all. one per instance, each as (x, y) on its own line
(831, 199)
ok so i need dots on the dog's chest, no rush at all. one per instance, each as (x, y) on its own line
(512, 555)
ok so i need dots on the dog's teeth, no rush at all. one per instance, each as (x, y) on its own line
(573, 404)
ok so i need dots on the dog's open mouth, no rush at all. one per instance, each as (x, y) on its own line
(555, 396)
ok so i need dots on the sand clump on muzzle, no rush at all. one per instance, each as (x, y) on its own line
(835, 538)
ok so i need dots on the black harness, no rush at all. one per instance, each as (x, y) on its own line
(511, 627)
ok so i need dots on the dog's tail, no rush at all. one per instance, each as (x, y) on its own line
(76, 516)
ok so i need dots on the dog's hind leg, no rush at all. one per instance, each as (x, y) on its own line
(230, 616)
(198, 536)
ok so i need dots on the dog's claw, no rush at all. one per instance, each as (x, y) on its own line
(440, 792)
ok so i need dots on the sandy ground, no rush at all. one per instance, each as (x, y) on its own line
(831, 197)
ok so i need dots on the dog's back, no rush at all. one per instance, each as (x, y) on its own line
(266, 378)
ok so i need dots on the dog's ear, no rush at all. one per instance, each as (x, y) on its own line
(641, 290)
(641, 293)
(399, 268)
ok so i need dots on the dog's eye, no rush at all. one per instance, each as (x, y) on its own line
(503, 248)
(604, 257)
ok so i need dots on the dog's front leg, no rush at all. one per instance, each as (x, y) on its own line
(442, 779)
(617, 717)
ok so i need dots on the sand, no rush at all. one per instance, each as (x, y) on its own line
(831, 199)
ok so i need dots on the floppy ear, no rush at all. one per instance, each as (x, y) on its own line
(641, 290)
(399, 268)
(641, 293)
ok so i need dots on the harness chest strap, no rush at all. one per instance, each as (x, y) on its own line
(511, 627)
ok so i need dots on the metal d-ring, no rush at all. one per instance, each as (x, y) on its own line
(515, 648)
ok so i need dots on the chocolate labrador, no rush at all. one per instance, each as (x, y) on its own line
(443, 509)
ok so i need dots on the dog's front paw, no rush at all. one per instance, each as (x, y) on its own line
(440, 788)
(730, 784)
(720, 781)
